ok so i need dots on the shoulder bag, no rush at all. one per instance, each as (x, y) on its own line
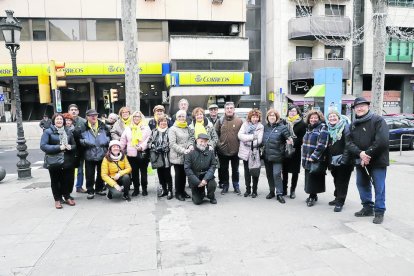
(53, 161)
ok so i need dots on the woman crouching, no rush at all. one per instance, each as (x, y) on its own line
(115, 171)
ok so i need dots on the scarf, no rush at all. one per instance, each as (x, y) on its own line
(199, 128)
(63, 137)
(136, 133)
(94, 128)
(251, 128)
(364, 118)
(162, 129)
(293, 119)
(335, 132)
(291, 122)
(181, 124)
(116, 158)
(126, 122)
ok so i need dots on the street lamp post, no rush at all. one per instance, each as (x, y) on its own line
(352, 78)
(11, 28)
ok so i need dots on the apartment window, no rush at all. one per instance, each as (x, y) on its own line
(334, 52)
(149, 30)
(334, 10)
(25, 32)
(64, 29)
(101, 29)
(303, 52)
(253, 2)
(303, 11)
(39, 29)
(193, 65)
(227, 66)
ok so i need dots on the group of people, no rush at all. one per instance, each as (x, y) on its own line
(119, 150)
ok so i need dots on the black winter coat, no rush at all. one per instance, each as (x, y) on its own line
(341, 147)
(274, 142)
(371, 136)
(292, 164)
(199, 165)
(50, 144)
(95, 147)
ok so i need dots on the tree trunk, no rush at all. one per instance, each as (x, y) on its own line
(379, 9)
(130, 36)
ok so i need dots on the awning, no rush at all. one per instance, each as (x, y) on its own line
(317, 91)
(299, 99)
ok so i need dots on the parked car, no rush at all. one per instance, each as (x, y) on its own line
(399, 126)
(407, 116)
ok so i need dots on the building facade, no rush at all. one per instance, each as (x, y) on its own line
(187, 39)
(297, 37)
(399, 71)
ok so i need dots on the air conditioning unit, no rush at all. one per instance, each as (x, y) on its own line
(217, 1)
(234, 29)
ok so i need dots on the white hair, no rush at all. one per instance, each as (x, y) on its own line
(181, 112)
(183, 100)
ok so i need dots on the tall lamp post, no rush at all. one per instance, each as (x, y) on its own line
(11, 28)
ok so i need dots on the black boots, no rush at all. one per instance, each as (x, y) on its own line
(248, 191)
(280, 199)
(379, 218)
(366, 211)
(270, 195)
(310, 201)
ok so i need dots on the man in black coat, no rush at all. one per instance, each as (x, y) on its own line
(199, 166)
(369, 142)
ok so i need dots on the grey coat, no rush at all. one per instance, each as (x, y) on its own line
(179, 141)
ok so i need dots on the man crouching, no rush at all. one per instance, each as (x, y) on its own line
(199, 166)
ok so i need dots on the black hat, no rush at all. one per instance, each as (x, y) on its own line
(203, 136)
(91, 112)
(360, 100)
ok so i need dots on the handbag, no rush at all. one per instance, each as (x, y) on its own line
(52, 161)
(336, 160)
(254, 162)
(317, 167)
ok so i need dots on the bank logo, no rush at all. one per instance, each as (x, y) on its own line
(116, 69)
(198, 78)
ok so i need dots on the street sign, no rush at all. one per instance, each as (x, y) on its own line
(58, 102)
(1, 97)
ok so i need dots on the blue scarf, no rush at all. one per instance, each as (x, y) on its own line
(335, 132)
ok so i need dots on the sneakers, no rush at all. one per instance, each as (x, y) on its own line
(365, 212)
(379, 218)
(280, 199)
(90, 196)
(270, 195)
(80, 190)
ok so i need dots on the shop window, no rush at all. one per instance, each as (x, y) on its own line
(64, 30)
(334, 10)
(39, 29)
(101, 29)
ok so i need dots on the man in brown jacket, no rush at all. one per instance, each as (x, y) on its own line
(227, 129)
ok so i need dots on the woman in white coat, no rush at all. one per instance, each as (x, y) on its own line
(250, 136)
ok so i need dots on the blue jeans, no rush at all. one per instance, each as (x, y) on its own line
(79, 181)
(365, 191)
(274, 177)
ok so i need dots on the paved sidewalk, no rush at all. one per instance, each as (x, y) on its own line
(238, 236)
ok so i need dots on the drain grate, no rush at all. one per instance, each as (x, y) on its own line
(38, 185)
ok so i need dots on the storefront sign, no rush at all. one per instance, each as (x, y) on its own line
(84, 69)
(208, 78)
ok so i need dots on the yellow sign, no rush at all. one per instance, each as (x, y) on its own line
(80, 69)
(211, 78)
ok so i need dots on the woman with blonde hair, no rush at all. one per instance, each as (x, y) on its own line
(275, 137)
(201, 124)
(314, 162)
(120, 125)
(250, 136)
(134, 140)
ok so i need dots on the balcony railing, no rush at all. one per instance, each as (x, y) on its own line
(310, 26)
(304, 68)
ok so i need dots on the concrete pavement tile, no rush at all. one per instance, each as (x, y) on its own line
(20, 226)
(71, 267)
(393, 266)
(317, 271)
(112, 246)
(152, 272)
(25, 254)
(388, 240)
(86, 234)
(266, 266)
(174, 226)
(298, 257)
(63, 249)
(182, 253)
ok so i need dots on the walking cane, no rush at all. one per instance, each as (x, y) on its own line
(370, 177)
